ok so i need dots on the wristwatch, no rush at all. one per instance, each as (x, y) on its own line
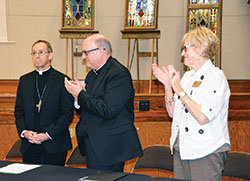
(182, 94)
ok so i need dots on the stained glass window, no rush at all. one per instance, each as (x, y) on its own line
(203, 17)
(141, 13)
(77, 13)
(203, 1)
(206, 13)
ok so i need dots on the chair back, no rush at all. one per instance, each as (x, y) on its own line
(237, 165)
(76, 158)
(156, 156)
(14, 153)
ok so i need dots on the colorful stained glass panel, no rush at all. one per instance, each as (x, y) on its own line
(203, 1)
(203, 17)
(141, 13)
(77, 13)
(207, 16)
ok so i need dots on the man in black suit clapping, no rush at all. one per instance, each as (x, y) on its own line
(106, 132)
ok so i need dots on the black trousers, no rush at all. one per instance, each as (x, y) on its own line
(92, 160)
(37, 154)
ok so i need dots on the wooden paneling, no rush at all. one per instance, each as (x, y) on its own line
(8, 136)
(239, 135)
(153, 132)
(153, 126)
(8, 87)
(239, 86)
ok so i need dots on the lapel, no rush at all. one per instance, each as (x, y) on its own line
(50, 84)
(31, 89)
(90, 81)
(102, 74)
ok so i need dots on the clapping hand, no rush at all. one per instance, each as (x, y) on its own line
(161, 74)
(74, 87)
(175, 79)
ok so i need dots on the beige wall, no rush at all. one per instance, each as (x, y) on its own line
(29, 20)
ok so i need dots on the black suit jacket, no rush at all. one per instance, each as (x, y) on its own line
(55, 115)
(107, 114)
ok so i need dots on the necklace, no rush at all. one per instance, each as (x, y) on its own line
(39, 96)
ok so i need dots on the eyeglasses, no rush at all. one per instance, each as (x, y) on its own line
(186, 47)
(86, 52)
(39, 53)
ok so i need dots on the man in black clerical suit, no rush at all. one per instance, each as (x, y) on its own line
(43, 110)
(106, 132)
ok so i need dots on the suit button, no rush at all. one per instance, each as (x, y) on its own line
(186, 111)
(201, 131)
(186, 129)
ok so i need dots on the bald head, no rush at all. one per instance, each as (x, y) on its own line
(96, 51)
(100, 40)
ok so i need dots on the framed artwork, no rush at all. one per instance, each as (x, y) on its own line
(78, 14)
(206, 13)
(141, 14)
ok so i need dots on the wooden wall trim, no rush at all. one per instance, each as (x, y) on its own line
(239, 108)
(236, 86)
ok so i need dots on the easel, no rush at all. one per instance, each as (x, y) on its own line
(74, 34)
(143, 34)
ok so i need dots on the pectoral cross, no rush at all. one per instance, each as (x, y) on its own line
(39, 105)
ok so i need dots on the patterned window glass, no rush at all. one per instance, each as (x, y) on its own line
(77, 13)
(141, 13)
(203, 1)
(203, 17)
(204, 13)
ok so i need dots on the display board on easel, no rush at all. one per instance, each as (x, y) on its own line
(77, 23)
(140, 22)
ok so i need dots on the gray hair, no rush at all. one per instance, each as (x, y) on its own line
(103, 42)
(204, 37)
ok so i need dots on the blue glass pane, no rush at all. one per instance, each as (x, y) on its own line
(139, 5)
(80, 8)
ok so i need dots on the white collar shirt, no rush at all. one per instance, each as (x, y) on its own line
(212, 94)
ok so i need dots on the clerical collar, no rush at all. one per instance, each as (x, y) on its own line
(97, 71)
(41, 72)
